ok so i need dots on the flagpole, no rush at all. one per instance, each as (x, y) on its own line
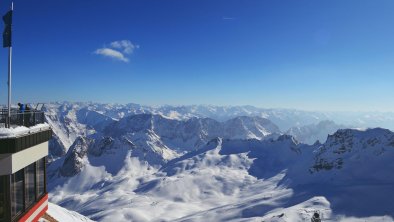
(9, 77)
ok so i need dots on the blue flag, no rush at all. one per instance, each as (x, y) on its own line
(7, 18)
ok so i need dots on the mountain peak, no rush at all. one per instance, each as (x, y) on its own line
(75, 157)
(289, 138)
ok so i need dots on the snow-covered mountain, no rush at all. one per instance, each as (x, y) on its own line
(347, 178)
(199, 163)
(357, 155)
(156, 139)
(314, 132)
(283, 118)
(70, 120)
(195, 132)
(63, 120)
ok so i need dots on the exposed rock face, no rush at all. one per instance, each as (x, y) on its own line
(101, 146)
(75, 158)
(56, 148)
(350, 150)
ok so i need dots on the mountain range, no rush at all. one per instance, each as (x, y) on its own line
(70, 120)
(110, 163)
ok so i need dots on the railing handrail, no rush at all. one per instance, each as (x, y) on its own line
(17, 117)
(5, 111)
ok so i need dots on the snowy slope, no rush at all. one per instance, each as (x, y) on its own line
(63, 121)
(63, 215)
(347, 178)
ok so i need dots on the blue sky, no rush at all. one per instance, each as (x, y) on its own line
(312, 55)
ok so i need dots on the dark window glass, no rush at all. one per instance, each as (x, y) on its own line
(30, 174)
(17, 192)
(2, 198)
(41, 177)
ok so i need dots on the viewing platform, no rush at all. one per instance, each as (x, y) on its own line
(26, 118)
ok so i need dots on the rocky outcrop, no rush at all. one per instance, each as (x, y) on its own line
(75, 158)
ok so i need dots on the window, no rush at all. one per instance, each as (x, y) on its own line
(40, 177)
(17, 193)
(30, 175)
(2, 198)
(26, 187)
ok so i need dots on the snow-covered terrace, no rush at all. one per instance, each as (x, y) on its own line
(17, 131)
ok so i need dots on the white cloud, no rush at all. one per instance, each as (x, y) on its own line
(125, 45)
(118, 50)
(111, 53)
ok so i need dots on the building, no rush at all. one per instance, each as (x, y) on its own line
(23, 152)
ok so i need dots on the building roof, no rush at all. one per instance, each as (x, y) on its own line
(22, 130)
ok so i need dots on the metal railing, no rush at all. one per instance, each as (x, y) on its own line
(26, 118)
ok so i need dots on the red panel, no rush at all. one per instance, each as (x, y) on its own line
(35, 208)
(40, 214)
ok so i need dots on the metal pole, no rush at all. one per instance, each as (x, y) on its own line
(9, 84)
(9, 78)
